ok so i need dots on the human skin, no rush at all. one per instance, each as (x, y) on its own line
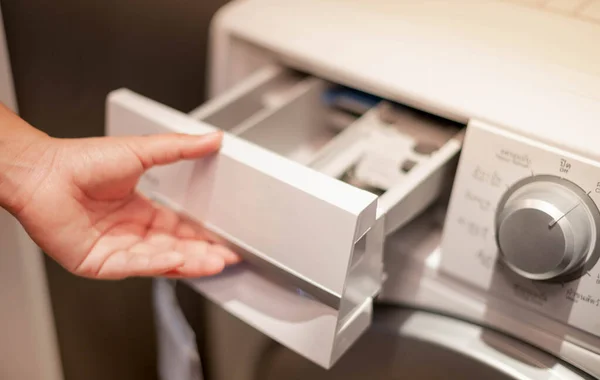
(76, 199)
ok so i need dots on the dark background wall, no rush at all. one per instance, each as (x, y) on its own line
(66, 56)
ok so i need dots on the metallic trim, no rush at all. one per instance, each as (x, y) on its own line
(589, 260)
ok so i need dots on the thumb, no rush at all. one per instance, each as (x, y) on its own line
(163, 149)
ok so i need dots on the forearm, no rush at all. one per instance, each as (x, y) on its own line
(19, 154)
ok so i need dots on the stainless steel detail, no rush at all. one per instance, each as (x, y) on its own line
(404, 343)
(546, 227)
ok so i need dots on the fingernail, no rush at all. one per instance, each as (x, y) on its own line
(214, 138)
(227, 254)
(217, 135)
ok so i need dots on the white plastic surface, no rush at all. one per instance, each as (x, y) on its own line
(529, 70)
(304, 221)
(491, 161)
(377, 150)
(299, 323)
(296, 220)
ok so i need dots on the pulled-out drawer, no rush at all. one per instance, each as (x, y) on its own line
(309, 180)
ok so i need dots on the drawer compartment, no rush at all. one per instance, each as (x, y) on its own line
(285, 194)
(406, 157)
(284, 112)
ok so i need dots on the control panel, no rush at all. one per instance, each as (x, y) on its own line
(523, 224)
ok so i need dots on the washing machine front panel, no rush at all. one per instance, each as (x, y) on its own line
(410, 344)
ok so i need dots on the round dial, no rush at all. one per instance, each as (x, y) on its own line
(546, 227)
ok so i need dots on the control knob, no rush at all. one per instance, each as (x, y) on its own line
(546, 227)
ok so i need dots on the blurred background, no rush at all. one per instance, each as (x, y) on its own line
(66, 56)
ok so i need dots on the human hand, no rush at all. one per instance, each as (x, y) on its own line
(76, 199)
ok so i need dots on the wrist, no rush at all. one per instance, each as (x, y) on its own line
(20, 147)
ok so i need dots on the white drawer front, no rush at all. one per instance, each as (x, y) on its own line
(297, 229)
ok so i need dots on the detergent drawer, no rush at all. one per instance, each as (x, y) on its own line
(311, 178)
(312, 244)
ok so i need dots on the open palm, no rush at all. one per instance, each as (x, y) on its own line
(79, 204)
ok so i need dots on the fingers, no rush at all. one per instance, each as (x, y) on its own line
(185, 231)
(228, 255)
(123, 264)
(199, 263)
(189, 258)
(166, 245)
(165, 149)
(170, 230)
(194, 247)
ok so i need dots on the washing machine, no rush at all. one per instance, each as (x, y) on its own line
(411, 336)
(413, 187)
